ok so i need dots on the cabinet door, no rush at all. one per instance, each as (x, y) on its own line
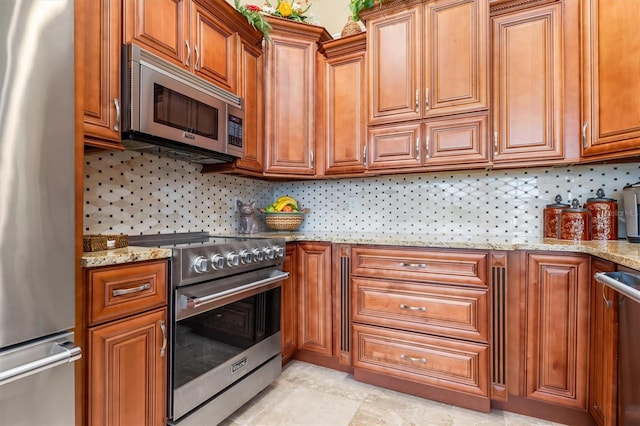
(394, 147)
(288, 327)
(346, 132)
(127, 371)
(610, 70)
(290, 104)
(314, 298)
(603, 352)
(101, 66)
(161, 27)
(251, 91)
(460, 141)
(214, 49)
(527, 85)
(557, 329)
(395, 56)
(455, 56)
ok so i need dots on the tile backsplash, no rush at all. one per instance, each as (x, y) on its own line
(136, 193)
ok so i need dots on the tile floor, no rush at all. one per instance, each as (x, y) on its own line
(309, 395)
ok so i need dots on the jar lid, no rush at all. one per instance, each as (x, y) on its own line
(558, 203)
(575, 207)
(600, 198)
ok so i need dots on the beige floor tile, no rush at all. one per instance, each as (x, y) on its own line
(309, 395)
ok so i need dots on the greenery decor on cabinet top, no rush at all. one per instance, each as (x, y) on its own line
(293, 10)
(355, 6)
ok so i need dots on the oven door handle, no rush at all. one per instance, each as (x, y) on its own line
(196, 302)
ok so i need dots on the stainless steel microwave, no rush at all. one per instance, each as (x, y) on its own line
(171, 112)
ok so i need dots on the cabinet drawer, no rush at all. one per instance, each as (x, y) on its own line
(441, 266)
(451, 311)
(118, 291)
(450, 364)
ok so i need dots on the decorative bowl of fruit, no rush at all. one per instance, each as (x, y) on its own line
(284, 214)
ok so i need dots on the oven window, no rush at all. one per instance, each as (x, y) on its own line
(205, 341)
(181, 112)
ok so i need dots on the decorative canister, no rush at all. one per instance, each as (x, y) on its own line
(604, 216)
(575, 223)
(552, 217)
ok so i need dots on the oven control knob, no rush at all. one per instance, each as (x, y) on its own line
(279, 251)
(200, 264)
(233, 259)
(245, 257)
(269, 253)
(217, 262)
(258, 255)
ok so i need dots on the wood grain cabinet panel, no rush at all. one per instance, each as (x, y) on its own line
(394, 146)
(437, 309)
(528, 64)
(115, 292)
(101, 66)
(345, 105)
(214, 45)
(127, 371)
(557, 334)
(289, 307)
(603, 348)
(458, 267)
(457, 141)
(449, 364)
(610, 83)
(290, 97)
(160, 26)
(314, 322)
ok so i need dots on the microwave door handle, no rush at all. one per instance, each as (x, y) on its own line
(196, 302)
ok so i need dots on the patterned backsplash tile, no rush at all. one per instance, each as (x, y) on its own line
(136, 193)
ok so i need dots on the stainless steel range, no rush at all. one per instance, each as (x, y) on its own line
(225, 334)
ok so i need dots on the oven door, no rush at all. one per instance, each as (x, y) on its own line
(223, 330)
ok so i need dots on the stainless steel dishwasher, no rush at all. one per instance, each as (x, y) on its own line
(627, 284)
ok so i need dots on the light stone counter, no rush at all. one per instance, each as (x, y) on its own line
(620, 251)
(122, 255)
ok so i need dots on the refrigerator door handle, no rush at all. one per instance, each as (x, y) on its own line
(64, 352)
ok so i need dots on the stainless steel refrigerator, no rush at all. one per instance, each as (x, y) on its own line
(37, 213)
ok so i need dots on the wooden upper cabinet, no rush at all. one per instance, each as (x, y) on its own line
(214, 51)
(557, 329)
(456, 61)
(252, 92)
(160, 26)
(610, 70)
(460, 141)
(101, 22)
(345, 97)
(394, 55)
(414, 72)
(290, 97)
(528, 84)
(395, 146)
(197, 36)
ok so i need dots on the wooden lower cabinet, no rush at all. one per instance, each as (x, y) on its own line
(557, 329)
(127, 371)
(420, 321)
(603, 351)
(125, 361)
(289, 293)
(314, 299)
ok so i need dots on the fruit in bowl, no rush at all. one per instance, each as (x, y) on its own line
(284, 204)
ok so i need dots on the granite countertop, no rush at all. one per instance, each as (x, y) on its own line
(618, 251)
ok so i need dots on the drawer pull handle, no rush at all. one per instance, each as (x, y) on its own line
(143, 287)
(607, 303)
(413, 265)
(413, 308)
(413, 359)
